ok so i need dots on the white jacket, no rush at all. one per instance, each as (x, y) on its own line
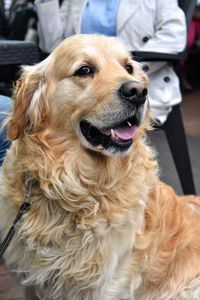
(145, 25)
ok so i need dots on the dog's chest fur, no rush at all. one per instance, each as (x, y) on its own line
(73, 255)
(82, 242)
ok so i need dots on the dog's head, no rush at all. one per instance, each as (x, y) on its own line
(89, 90)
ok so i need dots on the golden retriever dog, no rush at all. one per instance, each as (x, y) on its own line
(101, 225)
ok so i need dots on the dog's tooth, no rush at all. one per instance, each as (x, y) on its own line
(129, 124)
(112, 133)
(100, 147)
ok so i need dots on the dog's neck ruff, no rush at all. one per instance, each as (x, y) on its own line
(25, 206)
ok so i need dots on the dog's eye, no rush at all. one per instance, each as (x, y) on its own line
(84, 71)
(129, 69)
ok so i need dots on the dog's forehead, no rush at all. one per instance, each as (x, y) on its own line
(94, 46)
(95, 50)
(105, 47)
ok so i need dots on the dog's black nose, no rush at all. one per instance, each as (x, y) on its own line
(133, 92)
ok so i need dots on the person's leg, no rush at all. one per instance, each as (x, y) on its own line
(5, 105)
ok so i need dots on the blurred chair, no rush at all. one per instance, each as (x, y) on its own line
(13, 54)
(173, 127)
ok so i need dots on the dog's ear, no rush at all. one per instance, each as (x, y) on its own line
(31, 109)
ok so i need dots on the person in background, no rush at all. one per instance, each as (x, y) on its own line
(155, 26)
(190, 66)
(4, 25)
(23, 20)
(5, 105)
(5, 102)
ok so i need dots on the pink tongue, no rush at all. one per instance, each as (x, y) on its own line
(125, 133)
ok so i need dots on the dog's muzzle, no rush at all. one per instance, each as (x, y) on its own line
(118, 136)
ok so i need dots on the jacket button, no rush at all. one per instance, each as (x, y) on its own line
(167, 79)
(145, 68)
(145, 39)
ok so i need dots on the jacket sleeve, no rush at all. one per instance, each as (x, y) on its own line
(170, 31)
(51, 23)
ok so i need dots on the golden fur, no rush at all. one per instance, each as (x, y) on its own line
(101, 225)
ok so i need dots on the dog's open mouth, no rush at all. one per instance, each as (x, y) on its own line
(118, 136)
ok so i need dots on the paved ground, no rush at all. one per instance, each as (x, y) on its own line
(9, 289)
